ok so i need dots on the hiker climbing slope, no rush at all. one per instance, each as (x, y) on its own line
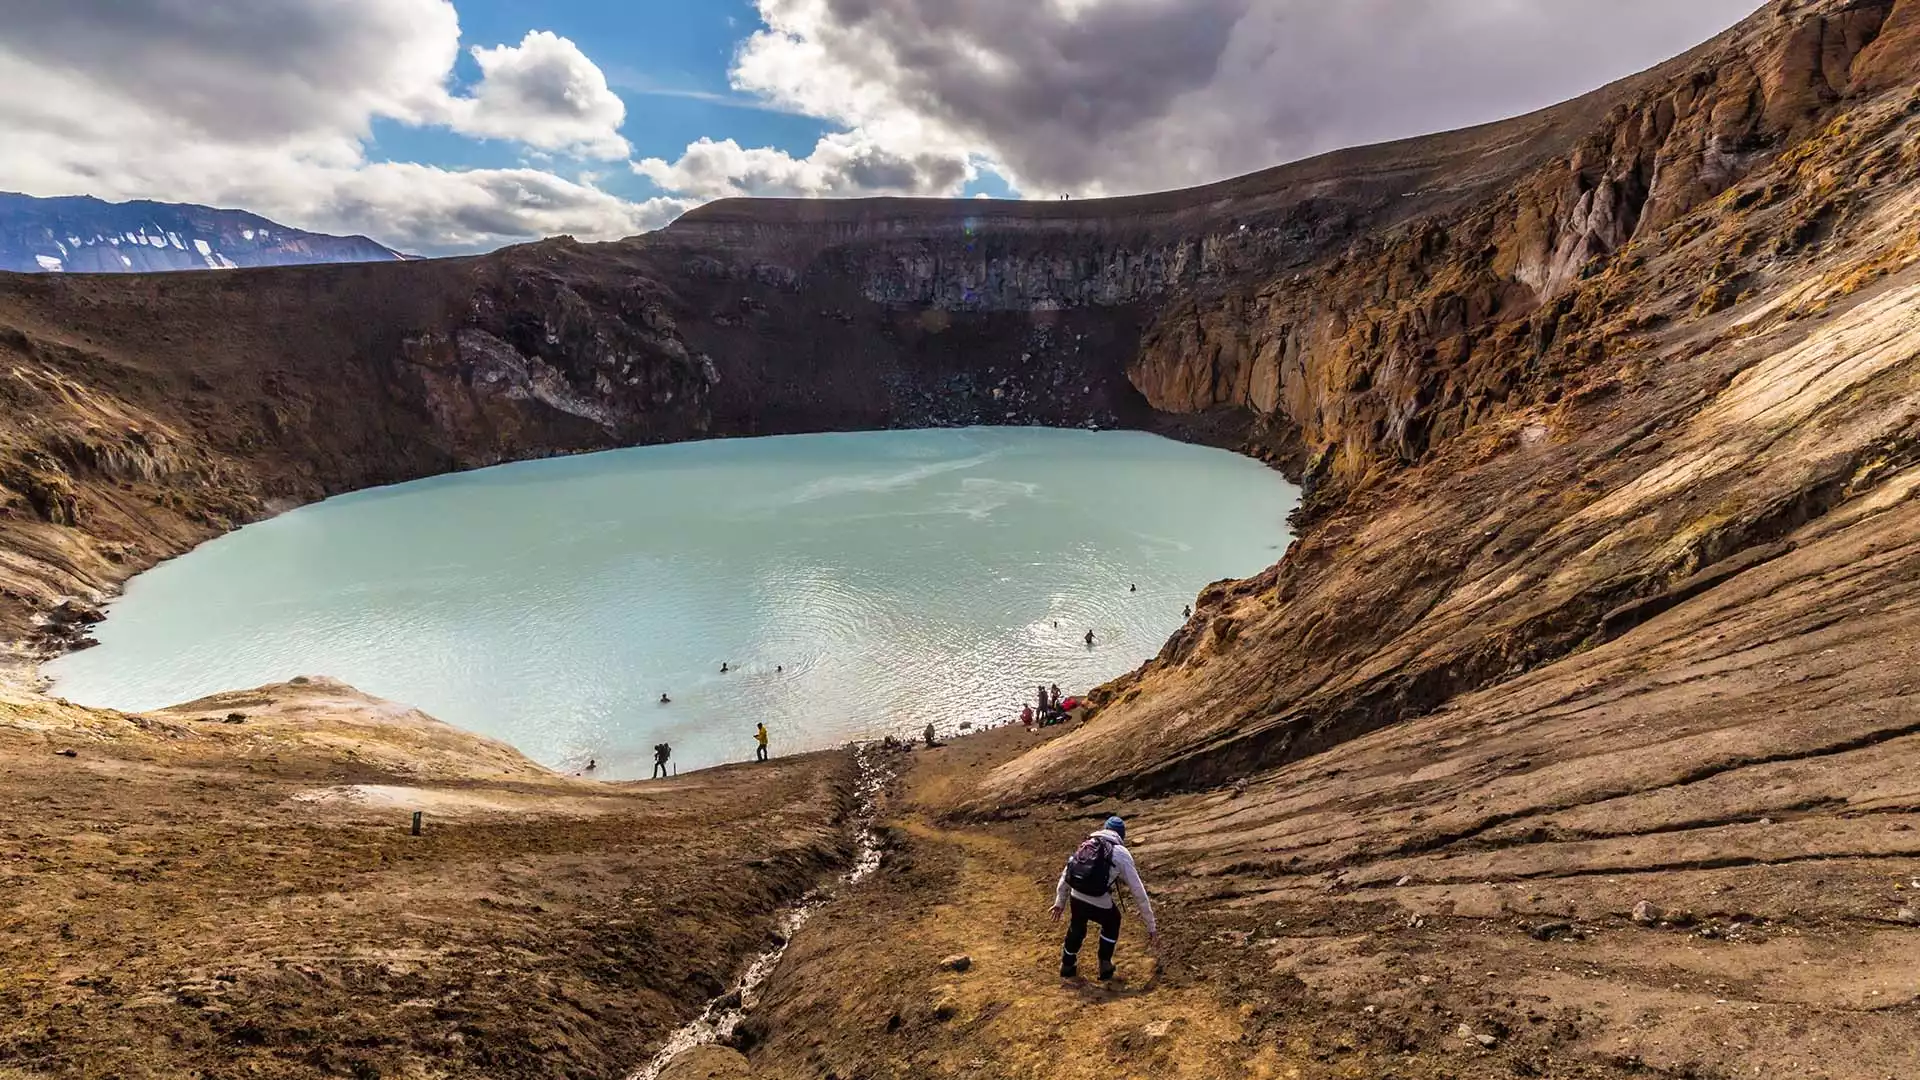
(1086, 884)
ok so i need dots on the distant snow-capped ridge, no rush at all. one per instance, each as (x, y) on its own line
(82, 234)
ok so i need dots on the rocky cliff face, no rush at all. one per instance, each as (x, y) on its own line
(1414, 335)
(1511, 462)
(1378, 321)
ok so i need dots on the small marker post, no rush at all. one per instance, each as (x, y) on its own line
(416, 822)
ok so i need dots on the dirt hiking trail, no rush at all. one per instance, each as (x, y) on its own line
(983, 892)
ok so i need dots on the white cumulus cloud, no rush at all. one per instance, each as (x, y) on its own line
(841, 164)
(270, 104)
(1112, 96)
(544, 93)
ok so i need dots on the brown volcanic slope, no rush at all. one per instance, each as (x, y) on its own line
(154, 412)
(1605, 588)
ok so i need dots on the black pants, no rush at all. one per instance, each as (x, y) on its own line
(659, 769)
(760, 754)
(1080, 913)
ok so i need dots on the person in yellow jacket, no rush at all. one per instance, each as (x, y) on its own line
(760, 736)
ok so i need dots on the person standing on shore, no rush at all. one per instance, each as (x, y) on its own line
(760, 736)
(1086, 884)
(661, 752)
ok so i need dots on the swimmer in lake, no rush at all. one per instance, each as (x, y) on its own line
(592, 764)
(1188, 612)
(723, 667)
(1133, 588)
(1089, 639)
(665, 700)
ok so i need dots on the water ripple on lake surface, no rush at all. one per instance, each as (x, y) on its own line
(856, 584)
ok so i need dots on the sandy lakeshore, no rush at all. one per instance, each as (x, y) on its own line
(186, 893)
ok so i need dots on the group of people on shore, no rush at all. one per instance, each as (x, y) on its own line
(1052, 708)
(663, 752)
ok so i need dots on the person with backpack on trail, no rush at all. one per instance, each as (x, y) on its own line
(1086, 885)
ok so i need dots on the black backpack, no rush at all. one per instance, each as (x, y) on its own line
(1090, 870)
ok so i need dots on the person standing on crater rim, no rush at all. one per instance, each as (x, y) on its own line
(1086, 885)
(760, 736)
(661, 752)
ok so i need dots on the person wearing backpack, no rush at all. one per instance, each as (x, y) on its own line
(1086, 885)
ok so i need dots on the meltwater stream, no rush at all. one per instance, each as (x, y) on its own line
(854, 585)
(716, 1023)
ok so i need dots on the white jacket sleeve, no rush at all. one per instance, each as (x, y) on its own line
(1123, 863)
(1060, 890)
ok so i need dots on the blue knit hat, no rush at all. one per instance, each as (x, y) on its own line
(1118, 826)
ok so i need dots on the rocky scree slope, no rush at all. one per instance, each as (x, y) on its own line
(1537, 422)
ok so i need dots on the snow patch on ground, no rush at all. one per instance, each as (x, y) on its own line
(201, 247)
(48, 262)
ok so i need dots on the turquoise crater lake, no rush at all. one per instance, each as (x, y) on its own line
(854, 584)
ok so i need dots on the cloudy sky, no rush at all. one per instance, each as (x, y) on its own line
(442, 126)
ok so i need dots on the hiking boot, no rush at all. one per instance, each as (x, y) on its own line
(1106, 974)
(1069, 970)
